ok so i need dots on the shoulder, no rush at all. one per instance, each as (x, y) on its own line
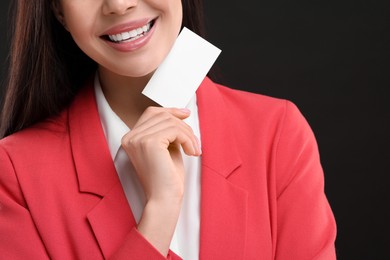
(256, 109)
(279, 118)
(248, 99)
(37, 138)
(279, 127)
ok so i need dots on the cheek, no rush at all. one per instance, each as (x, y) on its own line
(176, 16)
(177, 10)
(79, 22)
(172, 8)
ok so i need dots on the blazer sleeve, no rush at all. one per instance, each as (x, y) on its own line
(137, 247)
(19, 238)
(306, 226)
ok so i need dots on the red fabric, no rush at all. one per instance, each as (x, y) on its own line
(262, 186)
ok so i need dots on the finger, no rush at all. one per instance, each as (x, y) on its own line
(163, 118)
(162, 136)
(160, 122)
(186, 140)
(151, 112)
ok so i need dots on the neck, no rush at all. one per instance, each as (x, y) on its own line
(124, 95)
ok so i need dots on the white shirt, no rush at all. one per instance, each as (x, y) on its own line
(185, 241)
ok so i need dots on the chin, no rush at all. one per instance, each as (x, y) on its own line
(139, 74)
(135, 71)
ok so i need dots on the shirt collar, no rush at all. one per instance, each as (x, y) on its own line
(114, 128)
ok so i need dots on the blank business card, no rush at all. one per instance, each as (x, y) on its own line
(178, 77)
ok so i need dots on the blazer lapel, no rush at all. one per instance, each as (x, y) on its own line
(223, 204)
(111, 219)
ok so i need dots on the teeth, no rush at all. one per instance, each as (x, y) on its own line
(125, 35)
(131, 35)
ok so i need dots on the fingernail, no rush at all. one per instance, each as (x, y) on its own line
(198, 146)
(185, 110)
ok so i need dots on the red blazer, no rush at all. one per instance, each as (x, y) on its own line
(262, 186)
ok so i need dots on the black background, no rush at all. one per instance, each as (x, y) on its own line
(332, 59)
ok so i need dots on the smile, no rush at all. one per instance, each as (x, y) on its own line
(131, 35)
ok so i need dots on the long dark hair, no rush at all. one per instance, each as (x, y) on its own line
(46, 67)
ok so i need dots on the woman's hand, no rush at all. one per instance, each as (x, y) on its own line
(153, 146)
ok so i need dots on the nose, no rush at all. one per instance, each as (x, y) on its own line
(119, 7)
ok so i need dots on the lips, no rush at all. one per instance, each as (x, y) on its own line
(132, 36)
(129, 32)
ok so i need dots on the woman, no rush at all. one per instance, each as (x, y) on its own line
(77, 183)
